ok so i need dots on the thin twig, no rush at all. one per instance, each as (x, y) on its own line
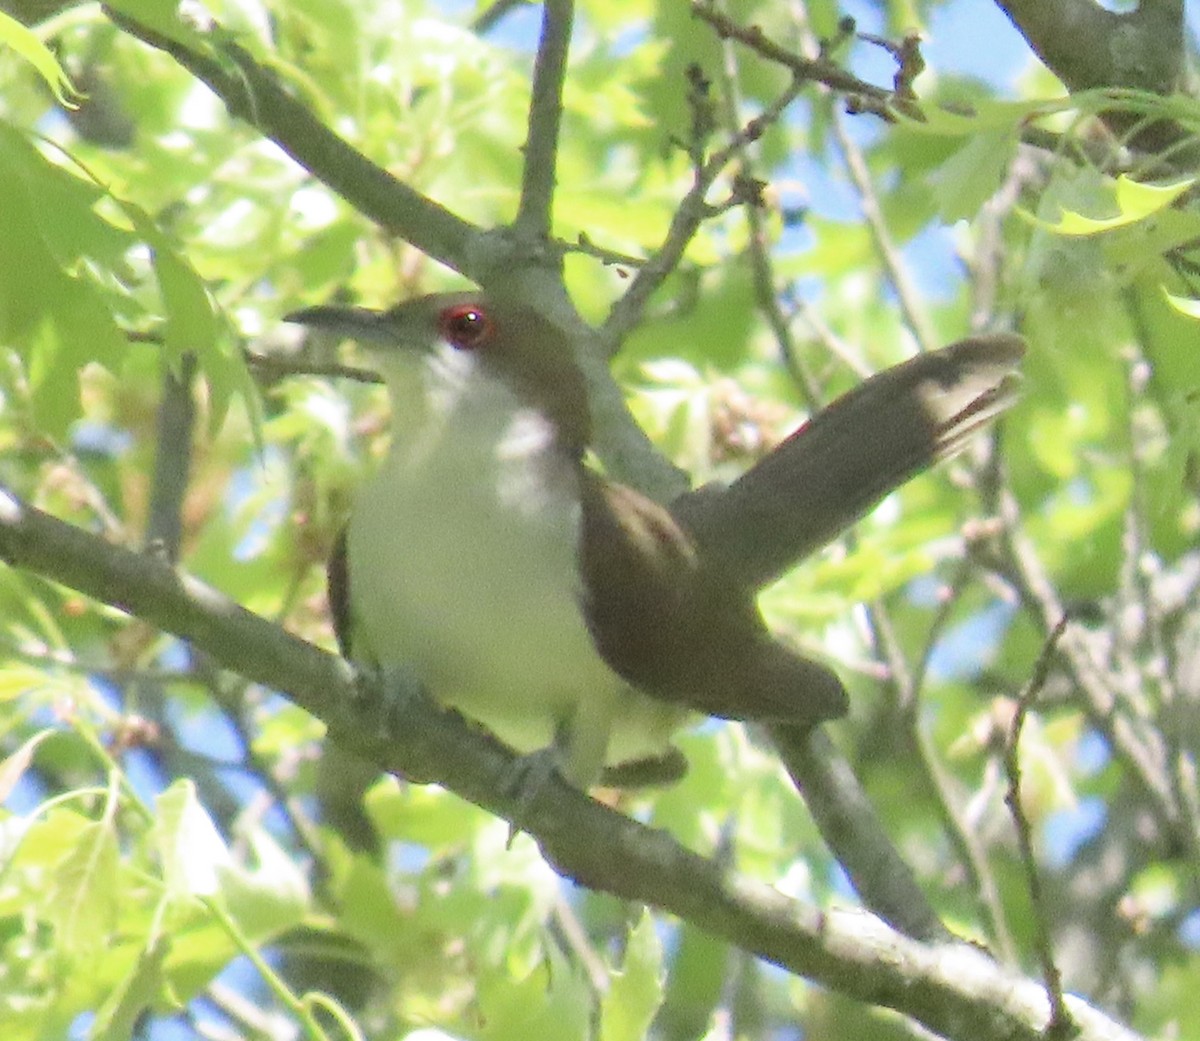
(807, 70)
(766, 296)
(1138, 747)
(173, 458)
(1061, 1024)
(490, 17)
(863, 97)
(846, 353)
(916, 316)
(693, 210)
(607, 257)
(946, 792)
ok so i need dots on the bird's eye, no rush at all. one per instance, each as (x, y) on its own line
(466, 326)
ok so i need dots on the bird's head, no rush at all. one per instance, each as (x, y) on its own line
(447, 342)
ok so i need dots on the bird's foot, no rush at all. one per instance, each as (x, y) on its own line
(528, 777)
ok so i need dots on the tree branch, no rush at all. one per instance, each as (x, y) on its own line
(1138, 746)
(808, 70)
(253, 94)
(953, 989)
(1061, 1024)
(912, 304)
(692, 211)
(545, 118)
(490, 257)
(849, 825)
(1089, 47)
(173, 458)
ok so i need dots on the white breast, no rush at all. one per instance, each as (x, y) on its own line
(462, 557)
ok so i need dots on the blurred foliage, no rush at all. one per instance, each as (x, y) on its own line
(165, 865)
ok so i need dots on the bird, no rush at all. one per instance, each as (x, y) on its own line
(576, 619)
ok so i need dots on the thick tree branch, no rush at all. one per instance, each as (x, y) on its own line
(545, 118)
(952, 989)
(1089, 47)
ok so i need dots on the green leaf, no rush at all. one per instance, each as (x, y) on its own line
(1187, 306)
(82, 900)
(551, 1001)
(965, 181)
(52, 307)
(13, 767)
(192, 853)
(191, 321)
(141, 989)
(700, 969)
(985, 116)
(270, 898)
(29, 47)
(1134, 201)
(636, 991)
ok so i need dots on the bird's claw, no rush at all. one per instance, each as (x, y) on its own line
(527, 778)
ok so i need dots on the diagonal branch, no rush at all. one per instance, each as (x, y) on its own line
(953, 989)
(809, 70)
(692, 211)
(252, 93)
(848, 823)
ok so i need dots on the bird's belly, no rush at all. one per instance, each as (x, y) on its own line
(484, 605)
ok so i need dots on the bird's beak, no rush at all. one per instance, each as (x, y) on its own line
(354, 323)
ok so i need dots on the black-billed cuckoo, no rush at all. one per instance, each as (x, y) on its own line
(561, 609)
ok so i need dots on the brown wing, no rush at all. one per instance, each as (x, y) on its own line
(337, 588)
(678, 627)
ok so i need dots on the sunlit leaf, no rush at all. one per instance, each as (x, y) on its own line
(1135, 201)
(29, 47)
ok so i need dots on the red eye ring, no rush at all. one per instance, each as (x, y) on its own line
(465, 326)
